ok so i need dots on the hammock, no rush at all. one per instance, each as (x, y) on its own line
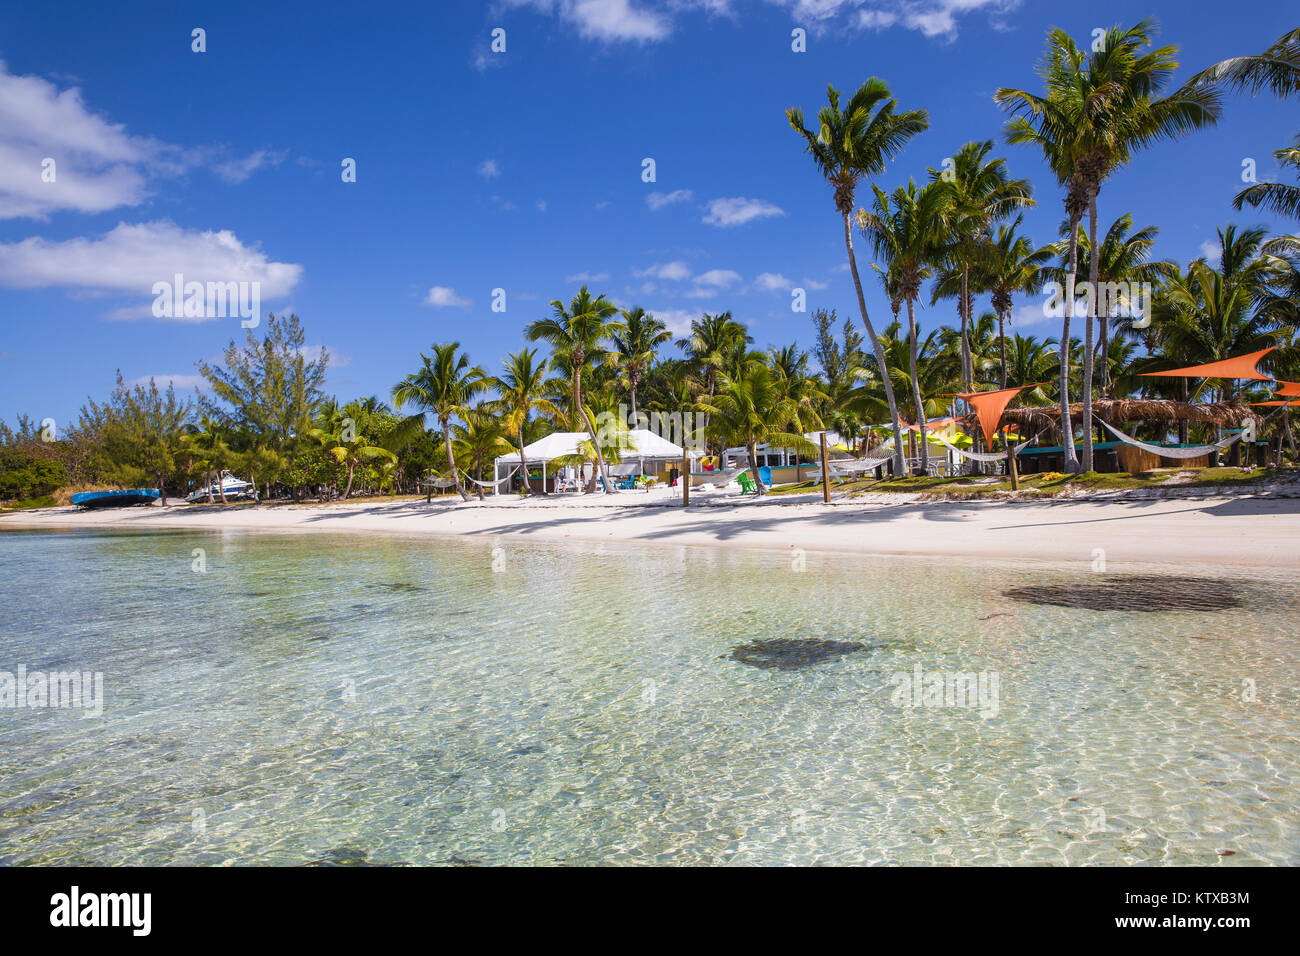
(493, 484)
(848, 467)
(982, 455)
(1195, 451)
(439, 483)
(856, 465)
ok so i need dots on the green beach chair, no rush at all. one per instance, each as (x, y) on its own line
(746, 484)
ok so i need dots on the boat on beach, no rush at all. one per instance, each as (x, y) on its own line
(115, 499)
(235, 489)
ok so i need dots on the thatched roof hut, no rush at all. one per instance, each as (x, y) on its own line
(1117, 411)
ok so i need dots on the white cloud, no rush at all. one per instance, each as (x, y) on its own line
(337, 359)
(723, 278)
(607, 21)
(815, 285)
(442, 297)
(97, 164)
(238, 170)
(604, 204)
(933, 18)
(182, 383)
(657, 201)
(541, 205)
(1029, 313)
(1212, 252)
(129, 259)
(772, 282)
(587, 277)
(677, 321)
(489, 169)
(670, 271)
(738, 211)
(875, 19)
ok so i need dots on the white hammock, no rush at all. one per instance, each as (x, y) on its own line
(980, 455)
(848, 467)
(1195, 451)
(493, 484)
(440, 483)
(852, 466)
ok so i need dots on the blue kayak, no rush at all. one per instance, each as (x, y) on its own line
(115, 499)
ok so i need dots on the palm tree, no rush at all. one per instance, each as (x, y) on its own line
(479, 438)
(444, 385)
(1124, 257)
(1275, 197)
(852, 143)
(344, 436)
(1008, 266)
(636, 344)
(522, 389)
(753, 410)
(980, 193)
(1101, 107)
(1031, 361)
(1209, 314)
(576, 334)
(711, 346)
(213, 452)
(908, 231)
(1276, 69)
(789, 365)
(712, 338)
(938, 370)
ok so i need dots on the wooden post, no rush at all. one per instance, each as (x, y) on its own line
(1011, 463)
(826, 474)
(686, 478)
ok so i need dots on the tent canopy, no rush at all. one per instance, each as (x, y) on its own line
(644, 444)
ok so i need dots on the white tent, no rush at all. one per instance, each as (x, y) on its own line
(645, 446)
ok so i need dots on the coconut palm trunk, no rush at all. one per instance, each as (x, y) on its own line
(752, 449)
(1089, 356)
(967, 364)
(916, 383)
(1002, 349)
(599, 469)
(877, 349)
(523, 465)
(451, 457)
(1067, 430)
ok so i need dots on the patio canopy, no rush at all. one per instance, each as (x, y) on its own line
(644, 444)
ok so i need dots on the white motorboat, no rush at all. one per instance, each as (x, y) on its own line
(235, 489)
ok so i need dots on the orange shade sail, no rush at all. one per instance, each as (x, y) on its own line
(1240, 366)
(989, 407)
(929, 426)
(1288, 388)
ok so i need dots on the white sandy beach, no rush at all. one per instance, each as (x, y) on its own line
(1241, 530)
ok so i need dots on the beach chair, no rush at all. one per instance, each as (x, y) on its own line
(765, 475)
(747, 486)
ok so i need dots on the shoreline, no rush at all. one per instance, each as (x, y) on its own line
(1238, 529)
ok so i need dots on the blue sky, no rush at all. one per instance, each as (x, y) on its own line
(519, 170)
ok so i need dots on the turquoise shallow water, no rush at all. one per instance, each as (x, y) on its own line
(388, 700)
